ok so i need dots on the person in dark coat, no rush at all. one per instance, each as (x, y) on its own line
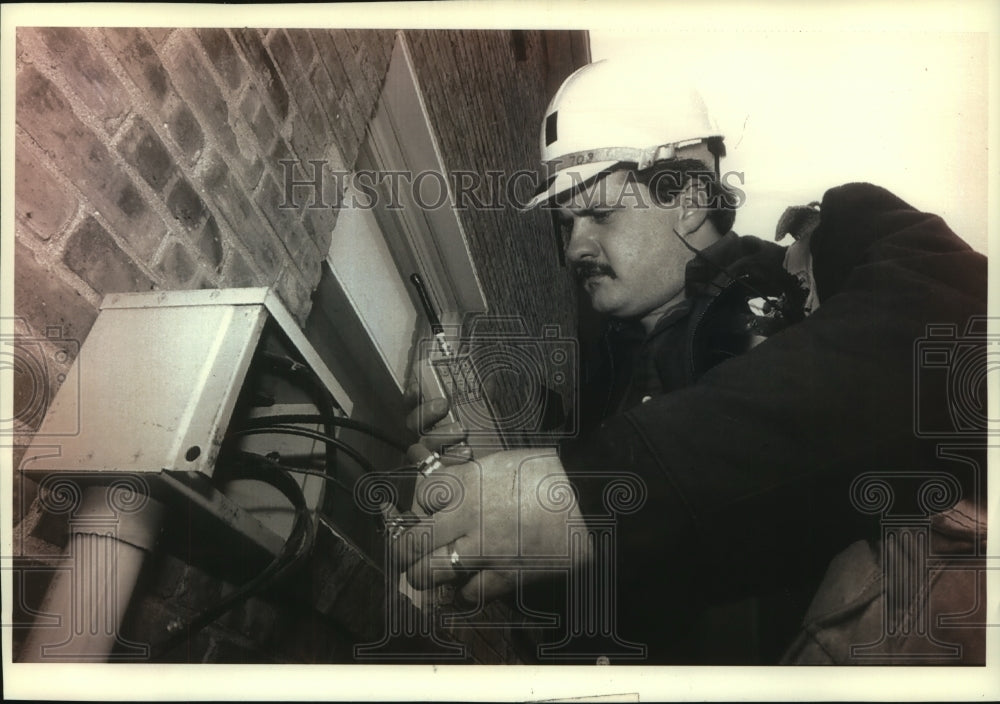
(782, 424)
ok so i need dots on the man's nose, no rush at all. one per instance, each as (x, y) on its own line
(582, 242)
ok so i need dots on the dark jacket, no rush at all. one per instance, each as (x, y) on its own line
(747, 473)
(712, 324)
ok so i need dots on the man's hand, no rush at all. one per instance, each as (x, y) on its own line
(447, 439)
(510, 514)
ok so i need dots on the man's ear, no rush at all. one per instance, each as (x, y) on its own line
(692, 212)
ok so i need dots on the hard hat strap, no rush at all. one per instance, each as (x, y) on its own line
(643, 158)
(590, 156)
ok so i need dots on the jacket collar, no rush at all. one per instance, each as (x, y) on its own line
(702, 271)
(699, 276)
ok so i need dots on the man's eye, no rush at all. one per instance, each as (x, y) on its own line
(601, 216)
(565, 229)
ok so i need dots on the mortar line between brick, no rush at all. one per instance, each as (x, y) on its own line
(232, 97)
(315, 62)
(127, 248)
(241, 132)
(192, 251)
(140, 99)
(56, 242)
(331, 110)
(256, 82)
(48, 67)
(82, 112)
(50, 257)
(237, 246)
(283, 128)
(152, 199)
(176, 42)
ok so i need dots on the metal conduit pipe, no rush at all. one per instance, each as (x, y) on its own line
(83, 608)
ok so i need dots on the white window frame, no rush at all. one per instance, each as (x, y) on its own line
(431, 242)
(402, 138)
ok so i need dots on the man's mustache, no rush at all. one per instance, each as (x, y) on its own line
(584, 270)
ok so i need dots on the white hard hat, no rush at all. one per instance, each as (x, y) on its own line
(613, 111)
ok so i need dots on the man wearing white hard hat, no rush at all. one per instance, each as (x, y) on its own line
(757, 403)
(646, 221)
(608, 113)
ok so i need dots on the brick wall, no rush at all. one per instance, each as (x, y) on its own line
(486, 92)
(149, 159)
(486, 96)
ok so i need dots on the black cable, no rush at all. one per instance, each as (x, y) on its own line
(404, 468)
(318, 473)
(313, 434)
(350, 423)
(300, 540)
(783, 306)
(718, 267)
(296, 367)
(325, 402)
(297, 546)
